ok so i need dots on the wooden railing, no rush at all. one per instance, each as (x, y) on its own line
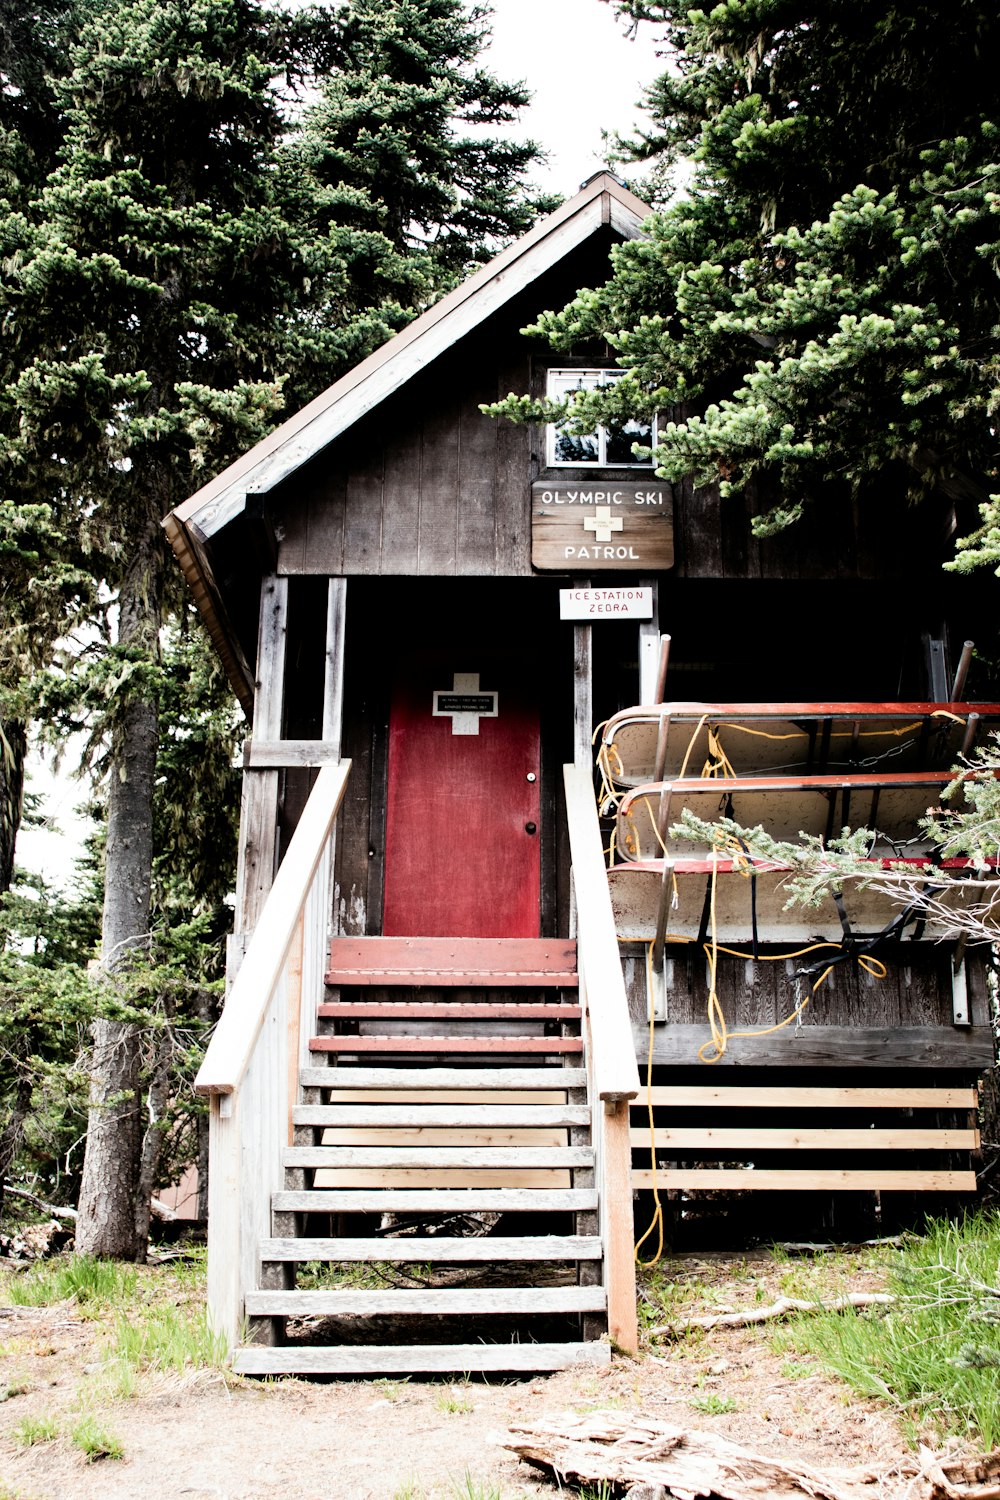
(612, 1072)
(251, 1067)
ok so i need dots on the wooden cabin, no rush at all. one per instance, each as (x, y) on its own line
(441, 997)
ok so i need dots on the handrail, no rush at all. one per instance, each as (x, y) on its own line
(612, 1072)
(616, 1073)
(232, 1046)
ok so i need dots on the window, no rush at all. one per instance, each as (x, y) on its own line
(605, 448)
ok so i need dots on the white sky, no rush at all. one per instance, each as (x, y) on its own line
(586, 76)
(585, 73)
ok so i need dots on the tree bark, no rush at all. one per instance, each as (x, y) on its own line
(12, 751)
(109, 1223)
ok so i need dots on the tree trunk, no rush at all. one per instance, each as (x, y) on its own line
(12, 752)
(109, 1220)
(12, 1131)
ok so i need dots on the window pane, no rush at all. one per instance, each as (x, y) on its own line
(620, 440)
(571, 449)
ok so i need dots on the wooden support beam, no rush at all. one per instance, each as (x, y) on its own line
(259, 807)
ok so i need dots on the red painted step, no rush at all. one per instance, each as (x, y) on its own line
(543, 1044)
(466, 962)
(446, 1010)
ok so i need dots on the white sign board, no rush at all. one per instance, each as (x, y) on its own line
(606, 604)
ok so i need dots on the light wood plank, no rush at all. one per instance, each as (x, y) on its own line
(616, 1075)
(481, 1097)
(280, 755)
(294, 1022)
(424, 1177)
(618, 1231)
(740, 1138)
(406, 1079)
(359, 1359)
(442, 1200)
(438, 1156)
(476, 1116)
(425, 1301)
(820, 1097)
(419, 1248)
(829, 1179)
(333, 675)
(472, 1139)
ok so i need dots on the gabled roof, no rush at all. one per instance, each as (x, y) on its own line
(602, 200)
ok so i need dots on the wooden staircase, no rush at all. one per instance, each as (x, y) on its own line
(439, 1210)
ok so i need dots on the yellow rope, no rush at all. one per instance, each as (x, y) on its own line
(714, 1049)
(656, 1222)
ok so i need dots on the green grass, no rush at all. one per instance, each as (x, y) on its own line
(470, 1488)
(95, 1284)
(389, 1389)
(713, 1405)
(33, 1430)
(934, 1354)
(454, 1402)
(94, 1441)
(165, 1337)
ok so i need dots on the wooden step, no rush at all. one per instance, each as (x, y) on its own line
(447, 1010)
(428, 1079)
(465, 962)
(425, 1301)
(358, 1359)
(425, 1248)
(437, 1200)
(456, 1157)
(449, 1117)
(475, 1044)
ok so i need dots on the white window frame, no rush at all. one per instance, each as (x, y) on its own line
(558, 380)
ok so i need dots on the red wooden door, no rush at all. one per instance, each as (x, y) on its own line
(463, 805)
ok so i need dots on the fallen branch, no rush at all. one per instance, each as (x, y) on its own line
(779, 1309)
(36, 1202)
(612, 1449)
(159, 1209)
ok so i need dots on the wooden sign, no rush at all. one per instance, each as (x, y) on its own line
(606, 604)
(601, 527)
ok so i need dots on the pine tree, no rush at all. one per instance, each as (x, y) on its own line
(181, 267)
(819, 306)
(400, 172)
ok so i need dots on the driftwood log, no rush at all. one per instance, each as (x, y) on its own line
(947, 1478)
(633, 1452)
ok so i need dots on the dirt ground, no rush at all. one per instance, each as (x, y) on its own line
(201, 1434)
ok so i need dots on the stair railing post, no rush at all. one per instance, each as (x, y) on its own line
(612, 1072)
